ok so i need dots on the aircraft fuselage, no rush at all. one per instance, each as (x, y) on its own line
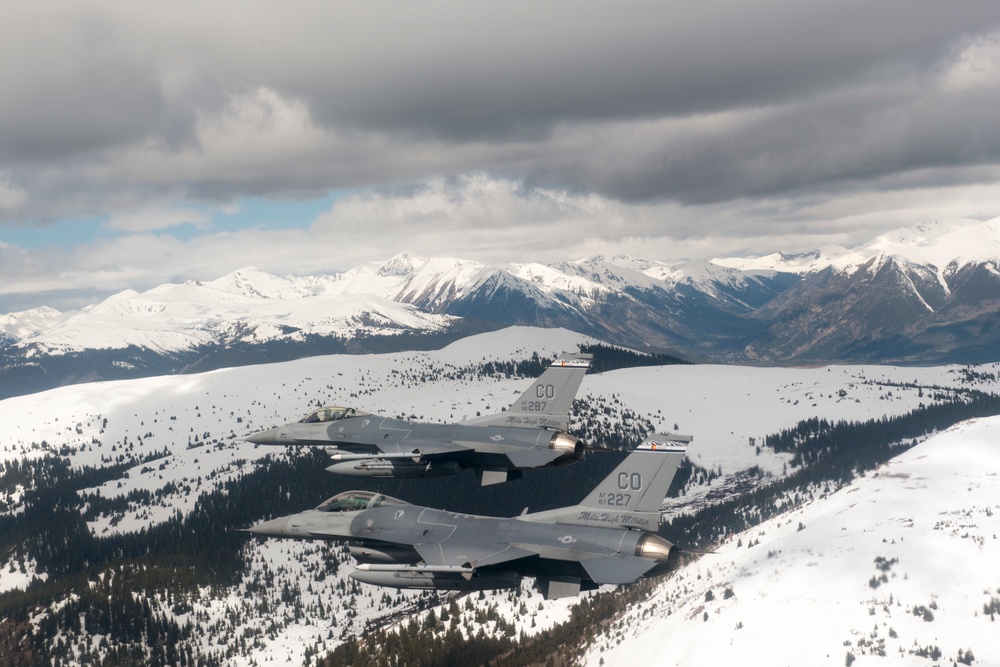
(367, 444)
(529, 434)
(392, 542)
(607, 538)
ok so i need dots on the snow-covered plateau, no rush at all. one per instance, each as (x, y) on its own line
(200, 420)
(777, 594)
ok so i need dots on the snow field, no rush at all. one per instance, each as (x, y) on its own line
(200, 420)
(900, 561)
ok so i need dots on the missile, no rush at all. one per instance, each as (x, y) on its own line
(380, 467)
(449, 569)
(454, 579)
(337, 455)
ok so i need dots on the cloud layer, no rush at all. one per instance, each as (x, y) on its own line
(501, 127)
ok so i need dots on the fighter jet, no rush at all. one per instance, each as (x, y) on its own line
(609, 538)
(530, 434)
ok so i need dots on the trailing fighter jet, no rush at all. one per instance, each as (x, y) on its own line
(530, 434)
(608, 538)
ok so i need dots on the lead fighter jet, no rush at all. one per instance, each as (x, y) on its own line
(608, 538)
(530, 434)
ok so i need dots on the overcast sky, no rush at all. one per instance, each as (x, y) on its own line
(149, 142)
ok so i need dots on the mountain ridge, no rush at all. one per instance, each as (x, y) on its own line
(926, 294)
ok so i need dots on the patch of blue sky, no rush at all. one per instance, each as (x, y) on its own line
(67, 233)
(275, 213)
(250, 213)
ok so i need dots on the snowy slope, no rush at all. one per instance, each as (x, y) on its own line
(200, 420)
(722, 406)
(428, 282)
(900, 561)
(246, 305)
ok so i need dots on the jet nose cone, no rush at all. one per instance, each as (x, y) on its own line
(273, 528)
(268, 437)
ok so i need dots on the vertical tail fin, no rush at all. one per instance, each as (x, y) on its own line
(630, 497)
(547, 401)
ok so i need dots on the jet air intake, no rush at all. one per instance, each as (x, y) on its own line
(569, 447)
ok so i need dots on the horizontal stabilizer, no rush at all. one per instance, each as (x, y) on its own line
(533, 457)
(489, 476)
(625, 570)
(553, 588)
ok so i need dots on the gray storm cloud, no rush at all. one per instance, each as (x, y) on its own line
(107, 102)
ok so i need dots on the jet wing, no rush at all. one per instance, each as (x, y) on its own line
(475, 554)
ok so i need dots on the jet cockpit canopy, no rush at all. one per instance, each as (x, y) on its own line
(353, 501)
(331, 413)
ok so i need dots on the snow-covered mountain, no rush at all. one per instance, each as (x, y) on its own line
(405, 302)
(247, 306)
(20, 326)
(938, 243)
(921, 295)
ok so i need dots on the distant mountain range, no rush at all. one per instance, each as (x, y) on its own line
(927, 294)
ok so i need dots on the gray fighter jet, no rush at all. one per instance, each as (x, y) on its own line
(530, 434)
(608, 538)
